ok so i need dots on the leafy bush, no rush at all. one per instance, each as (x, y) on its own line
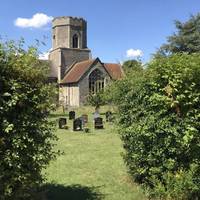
(25, 132)
(181, 185)
(115, 92)
(96, 99)
(159, 120)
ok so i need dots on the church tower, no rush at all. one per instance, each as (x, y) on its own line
(69, 42)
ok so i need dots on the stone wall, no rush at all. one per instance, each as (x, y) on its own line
(60, 36)
(62, 58)
(70, 94)
(84, 82)
(63, 29)
(55, 63)
(75, 94)
(73, 55)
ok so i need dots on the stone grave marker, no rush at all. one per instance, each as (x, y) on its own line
(77, 124)
(62, 122)
(85, 118)
(96, 115)
(98, 123)
(72, 115)
(108, 116)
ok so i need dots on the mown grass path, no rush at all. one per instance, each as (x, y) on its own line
(90, 168)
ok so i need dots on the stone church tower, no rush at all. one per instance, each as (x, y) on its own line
(76, 73)
(69, 39)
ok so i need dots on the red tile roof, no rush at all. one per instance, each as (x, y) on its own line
(115, 70)
(77, 70)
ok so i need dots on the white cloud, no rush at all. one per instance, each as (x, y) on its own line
(134, 53)
(45, 55)
(37, 21)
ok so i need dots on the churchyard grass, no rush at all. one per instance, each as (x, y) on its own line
(91, 165)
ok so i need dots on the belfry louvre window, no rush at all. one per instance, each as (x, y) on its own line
(96, 81)
(75, 41)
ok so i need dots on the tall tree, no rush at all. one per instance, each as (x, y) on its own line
(186, 39)
(132, 65)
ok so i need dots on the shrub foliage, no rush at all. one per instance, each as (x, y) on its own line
(159, 119)
(96, 99)
(25, 133)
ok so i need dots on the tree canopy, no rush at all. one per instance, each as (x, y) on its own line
(132, 65)
(186, 38)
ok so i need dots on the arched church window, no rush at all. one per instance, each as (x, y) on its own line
(75, 41)
(96, 81)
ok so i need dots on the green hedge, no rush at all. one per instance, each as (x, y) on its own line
(25, 133)
(159, 118)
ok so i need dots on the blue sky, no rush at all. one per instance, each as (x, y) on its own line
(114, 26)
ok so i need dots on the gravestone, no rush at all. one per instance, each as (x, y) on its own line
(96, 115)
(98, 123)
(108, 116)
(77, 124)
(62, 122)
(72, 115)
(85, 118)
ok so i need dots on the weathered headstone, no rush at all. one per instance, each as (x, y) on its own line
(98, 123)
(62, 122)
(77, 124)
(72, 115)
(96, 115)
(108, 116)
(85, 118)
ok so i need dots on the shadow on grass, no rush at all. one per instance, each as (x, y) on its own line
(71, 192)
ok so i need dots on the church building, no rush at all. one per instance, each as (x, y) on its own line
(76, 73)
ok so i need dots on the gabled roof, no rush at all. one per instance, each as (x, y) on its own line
(115, 70)
(77, 70)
